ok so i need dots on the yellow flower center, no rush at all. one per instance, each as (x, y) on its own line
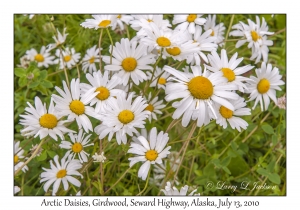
(67, 58)
(150, 108)
(77, 147)
(149, 20)
(129, 64)
(92, 59)
(229, 74)
(39, 58)
(16, 159)
(77, 107)
(174, 51)
(191, 18)
(61, 173)
(255, 36)
(200, 87)
(212, 33)
(151, 155)
(126, 116)
(119, 16)
(104, 23)
(163, 41)
(263, 86)
(104, 93)
(162, 81)
(226, 113)
(48, 121)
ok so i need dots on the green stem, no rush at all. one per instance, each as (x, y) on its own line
(229, 29)
(112, 45)
(99, 45)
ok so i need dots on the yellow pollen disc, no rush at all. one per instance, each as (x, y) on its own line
(191, 18)
(150, 108)
(229, 74)
(77, 147)
(104, 93)
(163, 41)
(129, 64)
(212, 33)
(77, 107)
(174, 51)
(151, 155)
(255, 36)
(61, 173)
(16, 159)
(39, 58)
(226, 113)
(149, 20)
(126, 116)
(92, 59)
(104, 23)
(162, 81)
(67, 58)
(119, 16)
(200, 87)
(263, 86)
(48, 121)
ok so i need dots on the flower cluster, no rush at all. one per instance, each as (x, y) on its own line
(125, 89)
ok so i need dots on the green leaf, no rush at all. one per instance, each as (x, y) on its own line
(267, 128)
(22, 81)
(43, 75)
(275, 178)
(226, 161)
(238, 166)
(274, 139)
(262, 171)
(33, 84)
(209, 170)
(226, 170)
(46, 84)
(42, 156)
(20, 72)
(51, 153)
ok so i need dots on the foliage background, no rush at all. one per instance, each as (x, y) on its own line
(214, 154)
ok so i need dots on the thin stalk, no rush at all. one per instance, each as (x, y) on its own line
(229, 29)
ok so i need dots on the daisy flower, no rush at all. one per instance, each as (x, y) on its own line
(142, 22)
(232, 117)
(100, 21)
(129, 60)
(121, 19)
(106, 88)
(174, 191)
(43, 58)
(121, 117)
(149, 151)
(252, 33)
(262, 51)
(198, 91)
(74, 105)
(90, 59)
(160, 78)
(18, 155)
(59, 39)
(205, 42)
(264, 86)
(67, 58)
(16, 189)
(217, 30)
(188, 22)
(79, 142)
(154, 107)
(99, 158)
(40, 122)
(229, 68)
(61, 172)
(159, 38)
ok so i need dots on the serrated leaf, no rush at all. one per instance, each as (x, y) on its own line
(22, 81)
(43, 75)
(46, 84)
(33, 84)
(20, 72)
(42, 156)
(267, 128)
